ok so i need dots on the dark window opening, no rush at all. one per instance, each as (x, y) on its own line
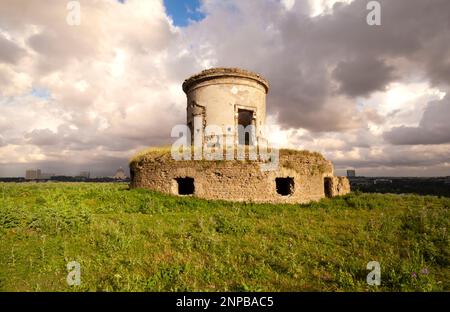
(285, 186)
(327, 187)
(185, 186)
(245, 118)
(131, 174)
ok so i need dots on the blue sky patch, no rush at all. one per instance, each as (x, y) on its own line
(40, 93)
(183, 11)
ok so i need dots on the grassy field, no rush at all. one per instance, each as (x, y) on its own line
(137, 240)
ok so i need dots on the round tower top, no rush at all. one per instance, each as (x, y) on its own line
(213, 73)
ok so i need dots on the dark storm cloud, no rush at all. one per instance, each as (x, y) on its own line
(42, 137)
(305, 58)
(358, 53)
(9, 51)
(363, 76)
(80, 140)
(400, 156)
(434, 128)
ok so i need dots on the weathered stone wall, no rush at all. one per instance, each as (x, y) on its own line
(240, 180)
(335, 186)
(216, 95)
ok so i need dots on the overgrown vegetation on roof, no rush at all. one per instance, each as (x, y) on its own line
(164, 152)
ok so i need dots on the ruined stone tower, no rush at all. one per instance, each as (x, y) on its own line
(228, 97)
(228, 101)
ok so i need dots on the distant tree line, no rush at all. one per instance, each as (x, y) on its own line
(439, 186)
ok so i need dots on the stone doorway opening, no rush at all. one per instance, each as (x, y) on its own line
(327, 187)
(185, 186)
(245, 118)
(285, 186)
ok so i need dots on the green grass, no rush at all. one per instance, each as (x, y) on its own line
(138, 240)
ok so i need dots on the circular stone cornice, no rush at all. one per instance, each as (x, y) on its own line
(213, 73)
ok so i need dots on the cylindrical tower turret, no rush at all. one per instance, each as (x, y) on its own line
(227, 98)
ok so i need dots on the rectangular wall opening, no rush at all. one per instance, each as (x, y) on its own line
(245, 118)
(328, 187)
(191, 129)
(285, 186)
(185, 186)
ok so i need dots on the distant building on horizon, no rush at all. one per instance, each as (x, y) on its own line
(37, 174)
(120, 174)
(32, 174)
(351, 173)
(85, 174)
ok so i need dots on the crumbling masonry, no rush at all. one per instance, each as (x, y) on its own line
(232, 99)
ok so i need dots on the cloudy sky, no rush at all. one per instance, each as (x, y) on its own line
(88, 96)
